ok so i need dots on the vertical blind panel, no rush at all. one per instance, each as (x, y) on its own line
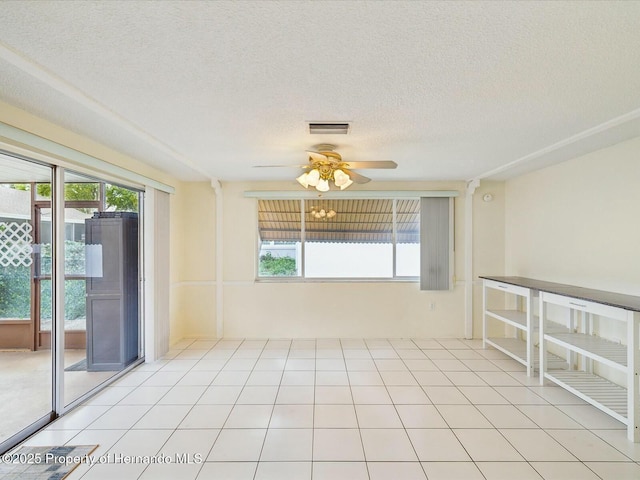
(162, 272)
(434, 243)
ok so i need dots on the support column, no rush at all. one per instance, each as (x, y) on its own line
(468, 258)
(217, 186)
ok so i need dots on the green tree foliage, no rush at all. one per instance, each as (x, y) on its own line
(74, 300)
(122, 199)
(277, 266)
(74, 290)
(72, 191)
(15, 292)
(15, 286)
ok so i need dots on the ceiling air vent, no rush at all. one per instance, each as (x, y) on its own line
(329, 127)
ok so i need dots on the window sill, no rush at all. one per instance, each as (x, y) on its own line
(336, 280)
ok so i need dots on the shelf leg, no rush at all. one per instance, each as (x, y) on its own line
(484, 315)
(587, 318)
(541, 346)
(633, 371)
(530, 362)
(571, 356)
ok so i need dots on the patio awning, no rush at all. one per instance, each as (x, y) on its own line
(356, 221)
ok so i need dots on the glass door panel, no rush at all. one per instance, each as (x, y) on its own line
(42, 276)
(101, 325)
(25, 371)
(101, 283)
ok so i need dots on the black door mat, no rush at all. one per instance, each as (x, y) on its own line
(44, 463)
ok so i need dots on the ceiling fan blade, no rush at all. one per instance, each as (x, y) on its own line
(278, 166)
(317, 157)
(356, 177)
(373, 164)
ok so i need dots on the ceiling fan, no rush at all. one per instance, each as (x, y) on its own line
(326, 164)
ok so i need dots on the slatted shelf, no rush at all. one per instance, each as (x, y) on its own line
(517, 349)
(599, 349)
(515, 318)
(594, 389)
(518, 319)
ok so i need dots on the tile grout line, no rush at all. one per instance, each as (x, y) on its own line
(190, 409)
(228, 415)
(355, 411)
(313, 408)
(396, 408)
(490, 423)
(584, 427)
(131, 428)
(528, 462)
(275, 400)
(195, 403)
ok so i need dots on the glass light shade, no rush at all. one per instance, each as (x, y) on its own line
(331, 214)
(322, 185)
(346, 184)
(303, 180)
(340, 178)
(313, 177)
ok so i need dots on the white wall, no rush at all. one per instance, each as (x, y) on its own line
(488, 242)
(578, 222)
(313, 309)
(193, 262)
(325, 309)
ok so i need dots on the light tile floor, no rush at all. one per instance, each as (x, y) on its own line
(351, 409)
(29, 376)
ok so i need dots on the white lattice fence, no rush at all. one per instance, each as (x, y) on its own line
(15, 244)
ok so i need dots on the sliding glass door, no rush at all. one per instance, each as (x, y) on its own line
(76, 240)
(26, 364)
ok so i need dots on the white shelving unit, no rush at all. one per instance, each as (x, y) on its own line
(592, 358)
(519, 346)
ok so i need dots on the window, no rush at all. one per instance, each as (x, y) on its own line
(280, 238)
(338, 239)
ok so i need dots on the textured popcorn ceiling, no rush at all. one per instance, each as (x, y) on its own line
(448, 90)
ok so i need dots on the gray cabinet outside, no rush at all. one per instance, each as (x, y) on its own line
(113, 298)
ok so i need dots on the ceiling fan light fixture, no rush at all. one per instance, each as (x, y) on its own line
(326, 165)
(340, 178)
(322, 213)
(322, 185)
(313, 177)
(303, 179)
(346, 184)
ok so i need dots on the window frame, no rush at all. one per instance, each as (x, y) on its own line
(302, 278)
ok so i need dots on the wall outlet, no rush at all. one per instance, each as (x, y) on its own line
(432, 306)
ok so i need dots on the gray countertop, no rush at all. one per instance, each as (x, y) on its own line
(627, 302)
